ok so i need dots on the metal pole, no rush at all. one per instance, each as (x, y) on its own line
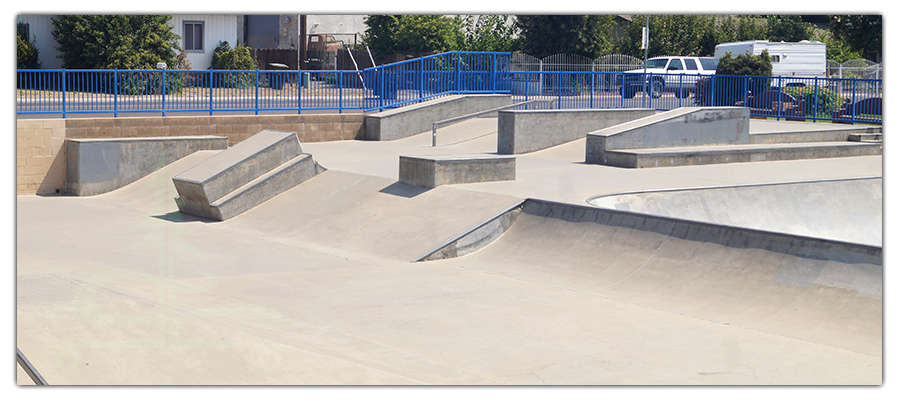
(29, 369)
(646, 48)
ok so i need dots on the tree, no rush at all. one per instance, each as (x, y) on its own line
(741, 28)
(788, 28)
(685, 35)
(26, 54)
(115, 41)
(861, 32)
(412, 34)
(488, 33)
(587, 35)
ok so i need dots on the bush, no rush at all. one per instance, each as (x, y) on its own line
(817, 102)
(26, 54)
(729, 90)
(237, 59)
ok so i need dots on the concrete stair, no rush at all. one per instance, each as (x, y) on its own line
(244, 176)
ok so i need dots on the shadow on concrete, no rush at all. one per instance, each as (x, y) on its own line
(404, 190)
(178, 216)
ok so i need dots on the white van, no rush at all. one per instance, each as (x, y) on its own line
(804, 59)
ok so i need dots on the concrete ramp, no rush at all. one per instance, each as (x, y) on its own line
(819, 291)
(843, 210)
(244, 176)
(686, 126)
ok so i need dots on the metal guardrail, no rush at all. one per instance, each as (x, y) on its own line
(118, 92)
(454, 120)
(29, 369)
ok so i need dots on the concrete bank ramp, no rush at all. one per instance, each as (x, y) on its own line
(843, 210)
(819, 291)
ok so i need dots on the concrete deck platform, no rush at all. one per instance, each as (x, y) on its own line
(317, 286)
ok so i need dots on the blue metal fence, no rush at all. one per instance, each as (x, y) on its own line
(118, 92)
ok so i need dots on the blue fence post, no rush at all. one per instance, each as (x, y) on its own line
(591, 102)
(256, 105)
(299, 90)
(746, 90)
(341, 92)
(162, 79)
(494, 73)
(458, 69)
(115, 93)
(210, 73)
(421, 78)
(64, 88)
(853, 103)
(816, 98)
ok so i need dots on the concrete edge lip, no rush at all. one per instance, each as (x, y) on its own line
(701, 188)
(521, 205)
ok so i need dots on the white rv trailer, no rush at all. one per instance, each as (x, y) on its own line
(789, 59)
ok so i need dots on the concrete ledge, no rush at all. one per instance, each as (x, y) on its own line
(418, 118)
(433, 172)
(523, 131)
(96, 166)
(708, 155)
(243, 176)
(689, 126)
(797, 136)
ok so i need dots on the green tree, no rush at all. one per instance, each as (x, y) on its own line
(787, 28)
(26, 54)
(587, 35)
(488, 33)
(115, 41)
(741, 28)
(687, 35)
(861, 33)
(412, 34)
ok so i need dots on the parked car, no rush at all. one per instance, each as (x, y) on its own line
(677, 74)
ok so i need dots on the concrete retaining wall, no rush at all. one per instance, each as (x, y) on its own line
(96, 166)
(689, 126)
(419, 118)
(434, 172)
(41, 150)
(523, 131)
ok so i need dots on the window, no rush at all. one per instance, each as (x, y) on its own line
(193, 36)
(22, 30)
(675, 64)
(691, 64)
(709, 64)
(776, 58)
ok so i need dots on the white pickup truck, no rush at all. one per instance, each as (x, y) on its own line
(677, 74)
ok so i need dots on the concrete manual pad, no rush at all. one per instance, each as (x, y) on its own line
(318, 285)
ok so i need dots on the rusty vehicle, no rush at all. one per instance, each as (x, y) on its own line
(321, 51)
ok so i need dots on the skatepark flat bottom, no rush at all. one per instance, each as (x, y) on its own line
(316, 286)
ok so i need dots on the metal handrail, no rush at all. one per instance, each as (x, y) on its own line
(29, 369)
(454, 120)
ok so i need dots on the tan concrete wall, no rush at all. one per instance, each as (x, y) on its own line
(40, 150)
(40, 156)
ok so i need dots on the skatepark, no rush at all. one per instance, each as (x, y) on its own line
(686, 268)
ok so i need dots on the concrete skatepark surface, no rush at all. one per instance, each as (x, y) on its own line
(316, 286)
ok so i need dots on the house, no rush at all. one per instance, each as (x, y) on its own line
(201, 33)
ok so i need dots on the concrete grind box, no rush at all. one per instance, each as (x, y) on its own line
(437, 171)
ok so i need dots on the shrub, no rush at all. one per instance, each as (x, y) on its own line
(26, 54)
(236, 59)
(729, 90)
(817, 102)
